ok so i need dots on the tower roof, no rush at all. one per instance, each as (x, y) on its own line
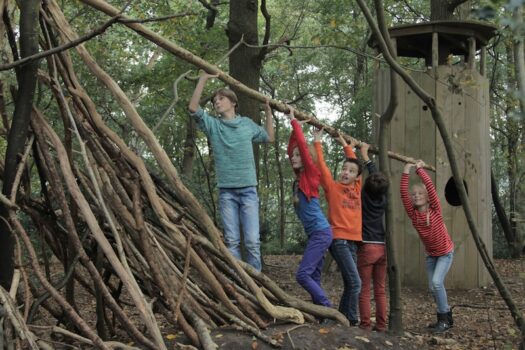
(415, 40)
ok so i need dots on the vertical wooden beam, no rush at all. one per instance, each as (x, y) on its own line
(471, 53)
(394, 45)
(483, 61)
(435, 53)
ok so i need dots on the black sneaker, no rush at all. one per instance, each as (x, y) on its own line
(354, 323)
(443, 323)
(441, 327)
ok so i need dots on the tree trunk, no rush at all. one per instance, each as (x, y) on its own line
(394, 280)
(519, 72)
(512, 153)
(18, 133)
(245, 62)
(189, 149)
(444, 9)
(282, 204)
(510, 234)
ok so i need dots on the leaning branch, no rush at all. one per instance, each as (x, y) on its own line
(98, 31)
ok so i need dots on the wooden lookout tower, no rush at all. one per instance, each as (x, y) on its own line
(452, 70)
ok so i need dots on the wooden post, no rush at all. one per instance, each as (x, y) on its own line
(435, 54)
(471, 53)
(394, 45)
(483, 60)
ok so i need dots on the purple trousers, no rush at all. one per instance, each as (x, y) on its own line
(309, 272)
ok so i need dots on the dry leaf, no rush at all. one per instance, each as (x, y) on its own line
(254, 345)
(171, 336)
(324, 330)
(366, 340)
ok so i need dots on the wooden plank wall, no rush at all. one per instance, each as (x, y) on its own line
(413, 134)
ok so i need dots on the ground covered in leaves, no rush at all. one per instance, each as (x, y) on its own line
(482, 320)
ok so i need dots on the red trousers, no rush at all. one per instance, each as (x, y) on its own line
(371, 264)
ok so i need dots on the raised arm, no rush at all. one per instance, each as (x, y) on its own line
(433, 199)
(326, 175)
(347, 148)
(197, 93)
(405, 196)
(297, 136)
(370, 165)
(269, 121)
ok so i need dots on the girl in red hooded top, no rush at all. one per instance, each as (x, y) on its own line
(308, 209)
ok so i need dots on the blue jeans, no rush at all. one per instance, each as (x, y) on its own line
(344, 253)
(437, 269)
(240, 206)
(308, 274)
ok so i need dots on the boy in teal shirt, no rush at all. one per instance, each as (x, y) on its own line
(231, 137)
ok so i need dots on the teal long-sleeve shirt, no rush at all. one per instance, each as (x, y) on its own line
(231, 141)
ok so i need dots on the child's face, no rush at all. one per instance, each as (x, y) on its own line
(419, 196)
(223, 104)
(348, 173)
(297, 162)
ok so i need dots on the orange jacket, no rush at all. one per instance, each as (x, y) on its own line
(344, 201)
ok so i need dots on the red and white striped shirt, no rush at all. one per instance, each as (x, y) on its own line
(428, 224)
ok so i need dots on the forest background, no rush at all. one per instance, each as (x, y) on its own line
(318, 59)
(312, 54)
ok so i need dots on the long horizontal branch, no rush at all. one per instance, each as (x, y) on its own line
(235, 84)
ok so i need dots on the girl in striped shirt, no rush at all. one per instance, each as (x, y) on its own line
(423, 208)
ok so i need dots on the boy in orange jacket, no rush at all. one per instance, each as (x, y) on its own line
(344, 215)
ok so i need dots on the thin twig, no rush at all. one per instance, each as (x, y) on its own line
(157, 19)
(98, 31)
(16, 319)
(292, 329)
(65, 332)
(20, 169)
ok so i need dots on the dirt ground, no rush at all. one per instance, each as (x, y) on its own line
(481, 318)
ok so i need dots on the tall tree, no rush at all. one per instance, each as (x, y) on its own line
(245, 62)
(18, 133)
(394, 279)
(519, 72)
(444, 9)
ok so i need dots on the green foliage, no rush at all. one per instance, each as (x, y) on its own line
(328, 64)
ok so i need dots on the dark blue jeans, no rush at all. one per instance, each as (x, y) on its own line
(309, 272)
(345, 254)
